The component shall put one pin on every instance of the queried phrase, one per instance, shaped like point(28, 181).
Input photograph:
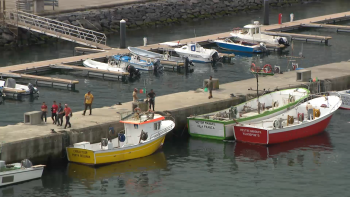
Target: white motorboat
point(135, 61)
point(252, 33)
point(10, 86)
point(19, 172)
point(196, 53)
point(294, 124)
point(165, 58)
point(112, 66)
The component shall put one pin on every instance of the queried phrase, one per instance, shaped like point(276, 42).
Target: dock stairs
point(56, 29)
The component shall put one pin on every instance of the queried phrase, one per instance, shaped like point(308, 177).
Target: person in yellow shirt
point(89, 98)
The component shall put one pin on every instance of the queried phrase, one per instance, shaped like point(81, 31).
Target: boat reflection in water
point(315, 144)
point(132, 176)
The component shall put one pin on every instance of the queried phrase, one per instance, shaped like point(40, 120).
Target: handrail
point(163, 131)
point(31, 20)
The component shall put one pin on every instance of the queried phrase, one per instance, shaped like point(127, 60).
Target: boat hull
point(90, 157)
point(265, 137)
point(20, 175)
point(195, 58)
point(237, 47)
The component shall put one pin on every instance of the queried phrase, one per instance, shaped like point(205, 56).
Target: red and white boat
point(291, 125)
point(345, 97)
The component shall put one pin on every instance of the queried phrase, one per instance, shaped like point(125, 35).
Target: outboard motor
point(133, 71)
point(187, 62)
point(31, 88)
point(157, 66)
point(215, 58)
point(26, 163)
point(262, 47)
point(283, 41)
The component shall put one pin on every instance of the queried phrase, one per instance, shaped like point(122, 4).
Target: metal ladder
point(56, 28)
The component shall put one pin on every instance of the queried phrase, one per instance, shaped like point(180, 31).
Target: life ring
point(275, 104)
point(276, 124)
point(148, 60)
point(138, 110)
point(291, 98)
point(266, 70)
point(290, 120)
point(301, 117)
point(252, 67)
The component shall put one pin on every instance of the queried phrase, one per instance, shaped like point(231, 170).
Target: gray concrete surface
point(36, 141)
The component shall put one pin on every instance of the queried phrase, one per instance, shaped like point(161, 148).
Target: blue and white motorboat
point(242, 46)
point(135, 61)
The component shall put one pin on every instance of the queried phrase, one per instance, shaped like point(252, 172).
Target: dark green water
point(315, 166)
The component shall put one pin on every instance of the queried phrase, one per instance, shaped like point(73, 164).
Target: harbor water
point(314, 166)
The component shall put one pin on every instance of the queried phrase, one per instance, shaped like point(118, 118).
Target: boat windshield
point(245, 31)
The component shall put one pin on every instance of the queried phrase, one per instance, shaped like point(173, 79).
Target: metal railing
point(57, 28)
point(162, 131)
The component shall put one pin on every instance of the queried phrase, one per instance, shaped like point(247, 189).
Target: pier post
point(266, 12)
point(122, 34)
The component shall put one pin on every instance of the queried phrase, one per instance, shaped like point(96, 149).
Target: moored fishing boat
point(296, 123)
point(345, 97)
point(144, 134)
point(19, 172)
point(196, 53)
point(241, 46)
point(219, 125)
point(252, 33)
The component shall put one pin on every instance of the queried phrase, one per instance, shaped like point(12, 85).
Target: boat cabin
point(252, 29)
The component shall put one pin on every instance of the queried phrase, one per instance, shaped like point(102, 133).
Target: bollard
point(266, 12)
point(291, 17)
point(122, 44)
point(280, 18)
point(144, 41)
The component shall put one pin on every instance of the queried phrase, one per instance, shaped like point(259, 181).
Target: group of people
point(57, 114)
point(151, 98)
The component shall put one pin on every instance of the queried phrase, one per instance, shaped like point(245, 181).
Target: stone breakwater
point(152, 14)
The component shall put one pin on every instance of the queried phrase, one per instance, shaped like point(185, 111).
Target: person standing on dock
point(210, 87)
point(54, 108)
point(89, 98)
point(68, 114)
point(43, 112)
point(60, 114)
point(151, 96)
point(134, 96)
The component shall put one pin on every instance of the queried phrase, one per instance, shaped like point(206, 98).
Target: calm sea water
point(315, 166)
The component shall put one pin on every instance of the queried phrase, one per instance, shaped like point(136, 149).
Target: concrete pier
point(37, 143)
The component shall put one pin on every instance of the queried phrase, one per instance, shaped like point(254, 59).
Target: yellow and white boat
point(144, 134)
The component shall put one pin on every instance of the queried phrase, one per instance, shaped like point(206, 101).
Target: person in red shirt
point(43, 112)
point(68, 114)
point(54, 109)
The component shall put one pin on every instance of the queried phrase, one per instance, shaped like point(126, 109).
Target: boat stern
point(79, 155)
point(251, 134)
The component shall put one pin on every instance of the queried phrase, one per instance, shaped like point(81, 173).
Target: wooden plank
point(326, 26)
point(41, 78)
point(296, 35)
point(90, 69)
point(12, 90)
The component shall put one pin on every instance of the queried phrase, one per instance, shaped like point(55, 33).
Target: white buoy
point(144, 41)
point(291, 17)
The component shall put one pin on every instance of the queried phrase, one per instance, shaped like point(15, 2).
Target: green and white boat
point(219, 125)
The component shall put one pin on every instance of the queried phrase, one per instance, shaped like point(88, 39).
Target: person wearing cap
point(134, 95)
point(88, 99)
point(310, 111)
point(68, 114)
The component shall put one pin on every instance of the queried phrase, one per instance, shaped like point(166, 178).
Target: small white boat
point(149, 54)
point(196, 53)
point(135, 61)
point(294, 124)
point(112, 66)
point(10, 85)
point(19, 172)
point(240, 46)
point(143, 135)
point(252, 33)
point(345, 97)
